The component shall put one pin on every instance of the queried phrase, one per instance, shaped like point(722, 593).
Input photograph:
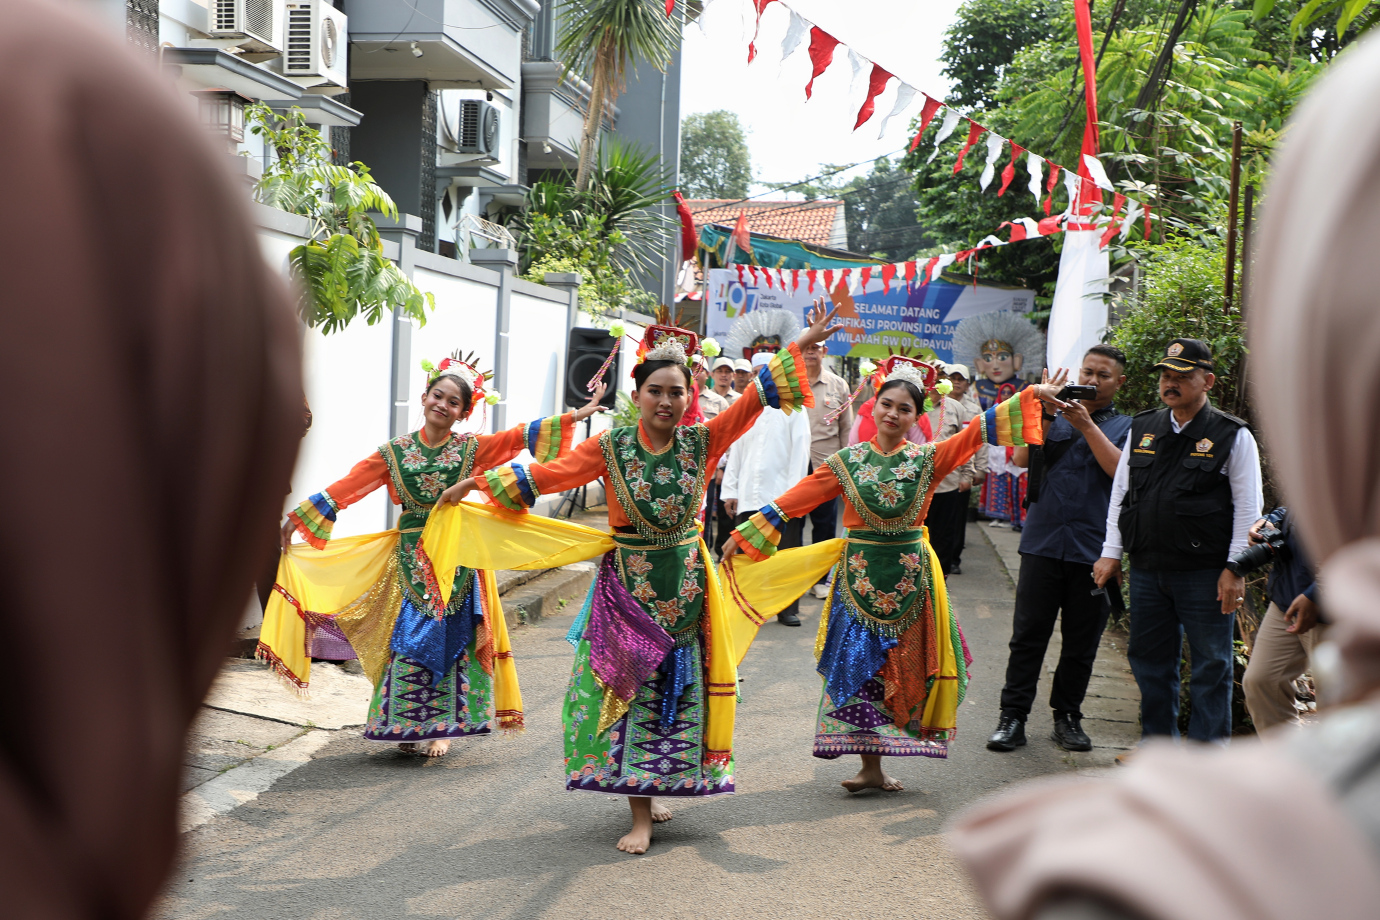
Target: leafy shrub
point(1180, 296)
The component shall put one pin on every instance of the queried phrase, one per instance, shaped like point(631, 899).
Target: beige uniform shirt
point(831, 391)
point(711, 404)
point(956, 416)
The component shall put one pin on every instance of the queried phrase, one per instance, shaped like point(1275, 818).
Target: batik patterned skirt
point(1002, 496)
point(409, 704)
point(640, 754)
point(863, 725)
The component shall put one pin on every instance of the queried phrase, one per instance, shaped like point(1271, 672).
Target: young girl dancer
point(888, 644)
point(649, 711)
point(432, 664)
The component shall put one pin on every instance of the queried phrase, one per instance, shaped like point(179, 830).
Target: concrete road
point(488, 831)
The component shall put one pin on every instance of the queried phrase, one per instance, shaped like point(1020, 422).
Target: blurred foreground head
point(151, 397)
point(1315, 302)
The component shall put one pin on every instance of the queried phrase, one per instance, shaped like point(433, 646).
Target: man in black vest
point(1069, 489)
point(1186, 492)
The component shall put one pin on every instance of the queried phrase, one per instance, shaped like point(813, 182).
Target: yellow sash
point(354, 583)
point(496, 539)
point(762, 588)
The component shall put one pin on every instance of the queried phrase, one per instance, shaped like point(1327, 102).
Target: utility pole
point(1246, 245)
point(1231, 214)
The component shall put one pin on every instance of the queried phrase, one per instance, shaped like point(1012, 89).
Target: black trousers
point(1050, 588)
point(717, 522)
point(791, 537)
point(947, 520)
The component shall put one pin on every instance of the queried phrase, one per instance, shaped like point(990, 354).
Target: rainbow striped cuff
point(510, 487)
point(781, 384)
point(1014, 423)
point(760, 535)
point(315, 518)
point(548, 438)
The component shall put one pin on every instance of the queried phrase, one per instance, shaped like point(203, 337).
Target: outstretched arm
point(517, 487)
point(315, 517)
point(1013, 423)
point(546, 438)
point(760, 535)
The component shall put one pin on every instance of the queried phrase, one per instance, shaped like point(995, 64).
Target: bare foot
point(872, 776)
point(660, 813)
point(639, 838)
point(408, 747)
point(438, 747)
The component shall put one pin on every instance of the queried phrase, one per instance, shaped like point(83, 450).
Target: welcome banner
point(918, 318)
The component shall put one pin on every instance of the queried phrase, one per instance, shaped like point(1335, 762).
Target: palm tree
point(601, 38)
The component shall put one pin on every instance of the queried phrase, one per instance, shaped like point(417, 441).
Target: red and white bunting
point(795, 34)
point(946, 127)
point(875, 84)
point(974, 132)
point(932, 105)
point(822, 46)
point(752, 45)
point(905, 94)
point(995, 143)
point(1009, 172)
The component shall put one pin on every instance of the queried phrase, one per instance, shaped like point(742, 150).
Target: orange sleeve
point(546, 438)
point(315, 517)
point(517, 486)
point(956, 450)
point(760, 534)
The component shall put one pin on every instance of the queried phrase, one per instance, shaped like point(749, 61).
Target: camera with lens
point(1272, 546)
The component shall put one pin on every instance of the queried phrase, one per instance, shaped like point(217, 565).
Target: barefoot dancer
point(426, 639)
point(649, 710)
point(888, 644)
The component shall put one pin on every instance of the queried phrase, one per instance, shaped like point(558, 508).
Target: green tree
point(985, 36)
point(714, 159)
point(341, 270)
point(602, 38)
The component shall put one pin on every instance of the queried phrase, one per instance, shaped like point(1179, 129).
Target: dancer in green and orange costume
point(888, 646)
point(433, 665)
point(650, 707)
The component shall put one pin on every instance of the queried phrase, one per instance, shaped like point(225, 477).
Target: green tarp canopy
point(774, 252)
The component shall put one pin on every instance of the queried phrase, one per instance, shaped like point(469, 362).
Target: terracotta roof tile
point(806, 221)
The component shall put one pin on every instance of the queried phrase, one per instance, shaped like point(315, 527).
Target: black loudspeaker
point(589, 348)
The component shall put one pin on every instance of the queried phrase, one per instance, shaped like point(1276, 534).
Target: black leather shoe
point(788, 619)
point(1068, 734)
point(1010, 734)
point(956, 570)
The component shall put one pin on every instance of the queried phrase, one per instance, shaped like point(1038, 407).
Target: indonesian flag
point(741, 237)
point(689, 239)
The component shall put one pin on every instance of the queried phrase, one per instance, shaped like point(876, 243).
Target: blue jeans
point(1165, 607)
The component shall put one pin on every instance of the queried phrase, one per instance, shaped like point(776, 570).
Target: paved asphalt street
point(488, 831)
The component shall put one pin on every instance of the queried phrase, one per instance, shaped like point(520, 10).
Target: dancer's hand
point(730, 547)
point(456, 492)
point(1049, 387)
point(285, 535)
point(592, 407)
point(817, 327)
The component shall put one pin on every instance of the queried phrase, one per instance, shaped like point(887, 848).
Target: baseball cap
point(742, 364)
point(722, 362)
point(1183, 355)
point(960, 369)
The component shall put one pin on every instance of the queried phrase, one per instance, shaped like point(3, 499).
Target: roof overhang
point(215, 67)
point(321, 110)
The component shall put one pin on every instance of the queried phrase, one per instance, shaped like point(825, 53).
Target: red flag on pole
point(875, 84)
point(752, 45)
point(974, 132)
point(926, 115)
point(1089, 196)
point(822, 46)
point(742, 238)
point(689, 239)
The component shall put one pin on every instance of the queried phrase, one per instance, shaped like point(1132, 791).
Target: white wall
point(464, 319)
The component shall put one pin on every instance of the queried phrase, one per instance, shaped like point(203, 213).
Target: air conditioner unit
point(253, 22)
point(315, 39)
point(478, 128)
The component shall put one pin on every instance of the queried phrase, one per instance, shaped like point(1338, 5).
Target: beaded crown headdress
point(466, 367)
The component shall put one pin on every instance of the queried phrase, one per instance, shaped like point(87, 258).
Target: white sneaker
point(820, 591)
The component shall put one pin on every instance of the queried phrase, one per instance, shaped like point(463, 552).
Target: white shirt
point(766, 461)
point(1242, 470)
